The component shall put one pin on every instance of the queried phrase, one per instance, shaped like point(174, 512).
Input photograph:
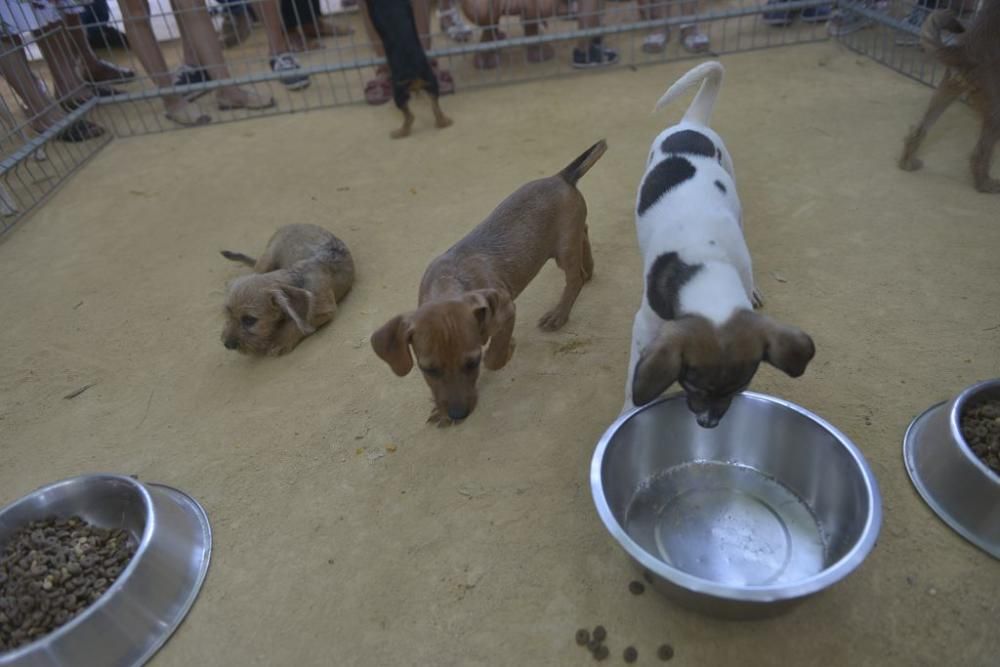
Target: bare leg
point(983, 156)
point(15, 70)
point(270, 15)
point(197, 31)
point(61, 57)
point(949, 91)
point(588, 18)
point(440, 120)
point(407, 124)
point(94, 68)
point(143, 42)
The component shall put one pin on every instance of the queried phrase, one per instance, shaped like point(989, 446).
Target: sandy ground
point(480, 544)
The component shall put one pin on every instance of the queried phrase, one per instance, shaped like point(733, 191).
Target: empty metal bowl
point(151, 596)
point(739, 521)
point(950, 478)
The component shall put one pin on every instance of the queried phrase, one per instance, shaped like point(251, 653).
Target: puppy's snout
point(707, 419)
point(231, 343)
point(458, 412)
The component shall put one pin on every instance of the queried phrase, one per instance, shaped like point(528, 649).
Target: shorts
point(20, 16)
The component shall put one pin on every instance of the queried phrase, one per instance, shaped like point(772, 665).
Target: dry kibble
point(582, 637)
point(636, 588)
point(600, 634)
point(630, 654)
point(665, 652)
point(50, 570)
point(981, 431)
point(601, 652)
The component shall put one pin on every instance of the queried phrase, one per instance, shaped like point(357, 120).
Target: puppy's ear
point(392, 344)
point(661, 363)
point(297, 303)
point(787, 348)
point(492, 308)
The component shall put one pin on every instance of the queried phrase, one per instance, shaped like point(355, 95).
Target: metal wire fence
point(78, 72)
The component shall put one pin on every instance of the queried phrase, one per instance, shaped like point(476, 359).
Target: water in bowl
point(727, 523)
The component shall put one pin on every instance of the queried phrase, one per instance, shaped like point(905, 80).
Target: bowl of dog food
point(952, 455)
point(98, 570)
point(741, 521)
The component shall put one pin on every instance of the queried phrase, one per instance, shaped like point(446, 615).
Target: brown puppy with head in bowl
point(467, 294)
point(294, 290)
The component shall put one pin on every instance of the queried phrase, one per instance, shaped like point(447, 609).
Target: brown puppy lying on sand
point(467, 294)
point(294, 290)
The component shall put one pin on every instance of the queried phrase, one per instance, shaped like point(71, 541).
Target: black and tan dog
point(409, 67)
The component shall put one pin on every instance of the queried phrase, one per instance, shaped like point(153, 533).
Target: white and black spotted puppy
point(696, 324)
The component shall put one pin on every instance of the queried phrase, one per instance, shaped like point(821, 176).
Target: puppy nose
point(231, 343)
point(707, 420)
point(456, 413)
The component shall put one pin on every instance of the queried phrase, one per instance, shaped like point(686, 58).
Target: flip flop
point(188, 115)
point(379, 90)
point(693, 40)
point(446, 84)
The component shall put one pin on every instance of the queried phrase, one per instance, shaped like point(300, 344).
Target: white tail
point(700, 111)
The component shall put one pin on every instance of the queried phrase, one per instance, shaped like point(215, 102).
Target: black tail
point(238, 257)
point(575, 170)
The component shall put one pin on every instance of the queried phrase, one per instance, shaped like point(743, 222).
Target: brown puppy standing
point(974, 68)
point(294, 290)
point(467, 294)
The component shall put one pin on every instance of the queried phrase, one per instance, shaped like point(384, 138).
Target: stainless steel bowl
point(147, 602)
point(739, 521)
point(959, 487)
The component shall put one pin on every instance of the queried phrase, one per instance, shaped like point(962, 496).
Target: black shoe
point(107, 38)
point(596, 56)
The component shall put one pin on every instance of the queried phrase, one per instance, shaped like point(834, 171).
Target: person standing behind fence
point(692, 39)
point(197, 31)
point(36, 16)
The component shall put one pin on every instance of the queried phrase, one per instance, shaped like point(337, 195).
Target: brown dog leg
point(440, 120)
point(983, 156)
point(501, 347)
point(407, 124)
point(949, 91)
point(570, 260)
point(588, 258)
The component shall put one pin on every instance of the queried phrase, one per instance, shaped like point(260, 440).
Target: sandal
point(539, 53)
point(188, 114)
point(109, 72)
point(379, 90)
point(80, 130)
point(451, 23)
point(693, 40)
point(446, 84)
point(248, 100)
point(657, 42)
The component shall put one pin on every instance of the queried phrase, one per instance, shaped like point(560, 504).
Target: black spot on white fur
point(662, 178)
point(722, 188)
point(718, 155)
point(689, 142)
point(664, 282)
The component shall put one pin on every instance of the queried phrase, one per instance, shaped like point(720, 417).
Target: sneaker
point(286, 64)
point(819, 14)
point(778, 18)
point(188, 74)
point(915, 19)
point(451, 23)
point(595, 56)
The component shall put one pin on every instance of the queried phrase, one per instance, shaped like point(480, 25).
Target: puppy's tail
point(575, 170)
point(238, 257)
point(710, 76)
point(930, 38)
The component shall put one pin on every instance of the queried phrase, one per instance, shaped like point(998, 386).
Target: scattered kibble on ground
point(600, 634)
point(51, 570)
point(981, 431)
point(582, 637)
point(630, 654)
point(601, 652)
point(636, 588)
point(665, 652)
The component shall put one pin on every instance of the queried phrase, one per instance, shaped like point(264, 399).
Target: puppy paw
point(757, 299)
point(553, 320)
point(443, 122)
point(910, 164)
point(496, 359)
point(400, 133)
point(989, 186)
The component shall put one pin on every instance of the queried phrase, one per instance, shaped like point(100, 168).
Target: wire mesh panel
point(889, 32)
